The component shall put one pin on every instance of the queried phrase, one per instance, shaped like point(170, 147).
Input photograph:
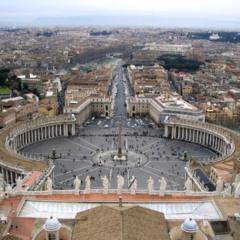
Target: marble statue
point(227, 190)
point(106, 184)
point(8, 188)
point(150, 183)
point(237, 191)
point(237, 178)
point(133, 187)
point(1, 183)
point(163, 186)
point(19, 184)
point(219, 185)
point(49, 184)
point(87, 185)
point(77, 184)
point(188, 185)
point(235, 184)
point(120, 183)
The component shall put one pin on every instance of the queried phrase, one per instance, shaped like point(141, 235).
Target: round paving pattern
point(133, 159)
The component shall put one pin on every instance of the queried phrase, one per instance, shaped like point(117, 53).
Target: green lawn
point(5, 90)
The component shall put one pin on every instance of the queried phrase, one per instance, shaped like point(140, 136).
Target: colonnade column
point(65, 129)
point(166, 133)
point(45, 132)
point(73, 129)
point(178, 132)
point(52, 131)
point(173, 132)
point(60, 129)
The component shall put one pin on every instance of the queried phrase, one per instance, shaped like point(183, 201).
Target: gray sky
point(224, 10)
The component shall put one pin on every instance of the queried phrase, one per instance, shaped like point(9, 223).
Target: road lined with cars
point(119, 90)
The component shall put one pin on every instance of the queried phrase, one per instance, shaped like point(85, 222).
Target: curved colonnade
point(13, 163)
point(217, 138)
point(38, 130)
point(221, 140)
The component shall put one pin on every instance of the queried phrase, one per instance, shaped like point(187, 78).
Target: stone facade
point(90, 106)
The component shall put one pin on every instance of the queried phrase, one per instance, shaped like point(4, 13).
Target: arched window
point(51, 236)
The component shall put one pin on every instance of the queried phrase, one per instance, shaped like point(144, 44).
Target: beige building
point(163, 106)
point(165, 48)
point(26, 111)
point(32, 82)
point(82, 85)
point(77, 93)
point(148, 80)
point(89, 106)
point(7, 117)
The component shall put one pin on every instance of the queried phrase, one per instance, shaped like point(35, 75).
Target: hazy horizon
point(172, 13)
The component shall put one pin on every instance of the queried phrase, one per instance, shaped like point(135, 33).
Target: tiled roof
point(10, 237)
point(134, 222)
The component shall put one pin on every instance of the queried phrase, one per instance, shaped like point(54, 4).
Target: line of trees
point(179, 62)
point(9, 80)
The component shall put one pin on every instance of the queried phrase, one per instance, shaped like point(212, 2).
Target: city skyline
point(119, 120)
point(200, 14)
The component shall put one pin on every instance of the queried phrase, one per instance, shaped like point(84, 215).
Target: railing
point(207, 126)
point(43, 178)
point(9, 166)
point(198, 184)
point(28, 125)
point(115, 191)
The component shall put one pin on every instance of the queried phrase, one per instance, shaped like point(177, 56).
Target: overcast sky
point(226, 10)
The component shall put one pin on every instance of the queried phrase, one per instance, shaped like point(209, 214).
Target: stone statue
point(188, 185)
point(133, 187)
point(235, 184)
point(163, 186)
point(8, 189)
point(49, 184)
point(77, 184)
point(237, 178)
point(237, 191)
point(150, 183)
point(219, 185)
point(120, 183)
point(106, 184)
point(87, 185)
point(19, 184)
point(1, 183)
point(227, 190)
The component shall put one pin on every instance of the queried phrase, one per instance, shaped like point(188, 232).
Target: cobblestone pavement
point(76, 154)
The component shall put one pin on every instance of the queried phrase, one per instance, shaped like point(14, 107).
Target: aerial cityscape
point(120, 120)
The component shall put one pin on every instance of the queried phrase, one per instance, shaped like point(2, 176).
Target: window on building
point(51, 236)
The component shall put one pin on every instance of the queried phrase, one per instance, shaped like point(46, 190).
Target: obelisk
point(120, 142)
